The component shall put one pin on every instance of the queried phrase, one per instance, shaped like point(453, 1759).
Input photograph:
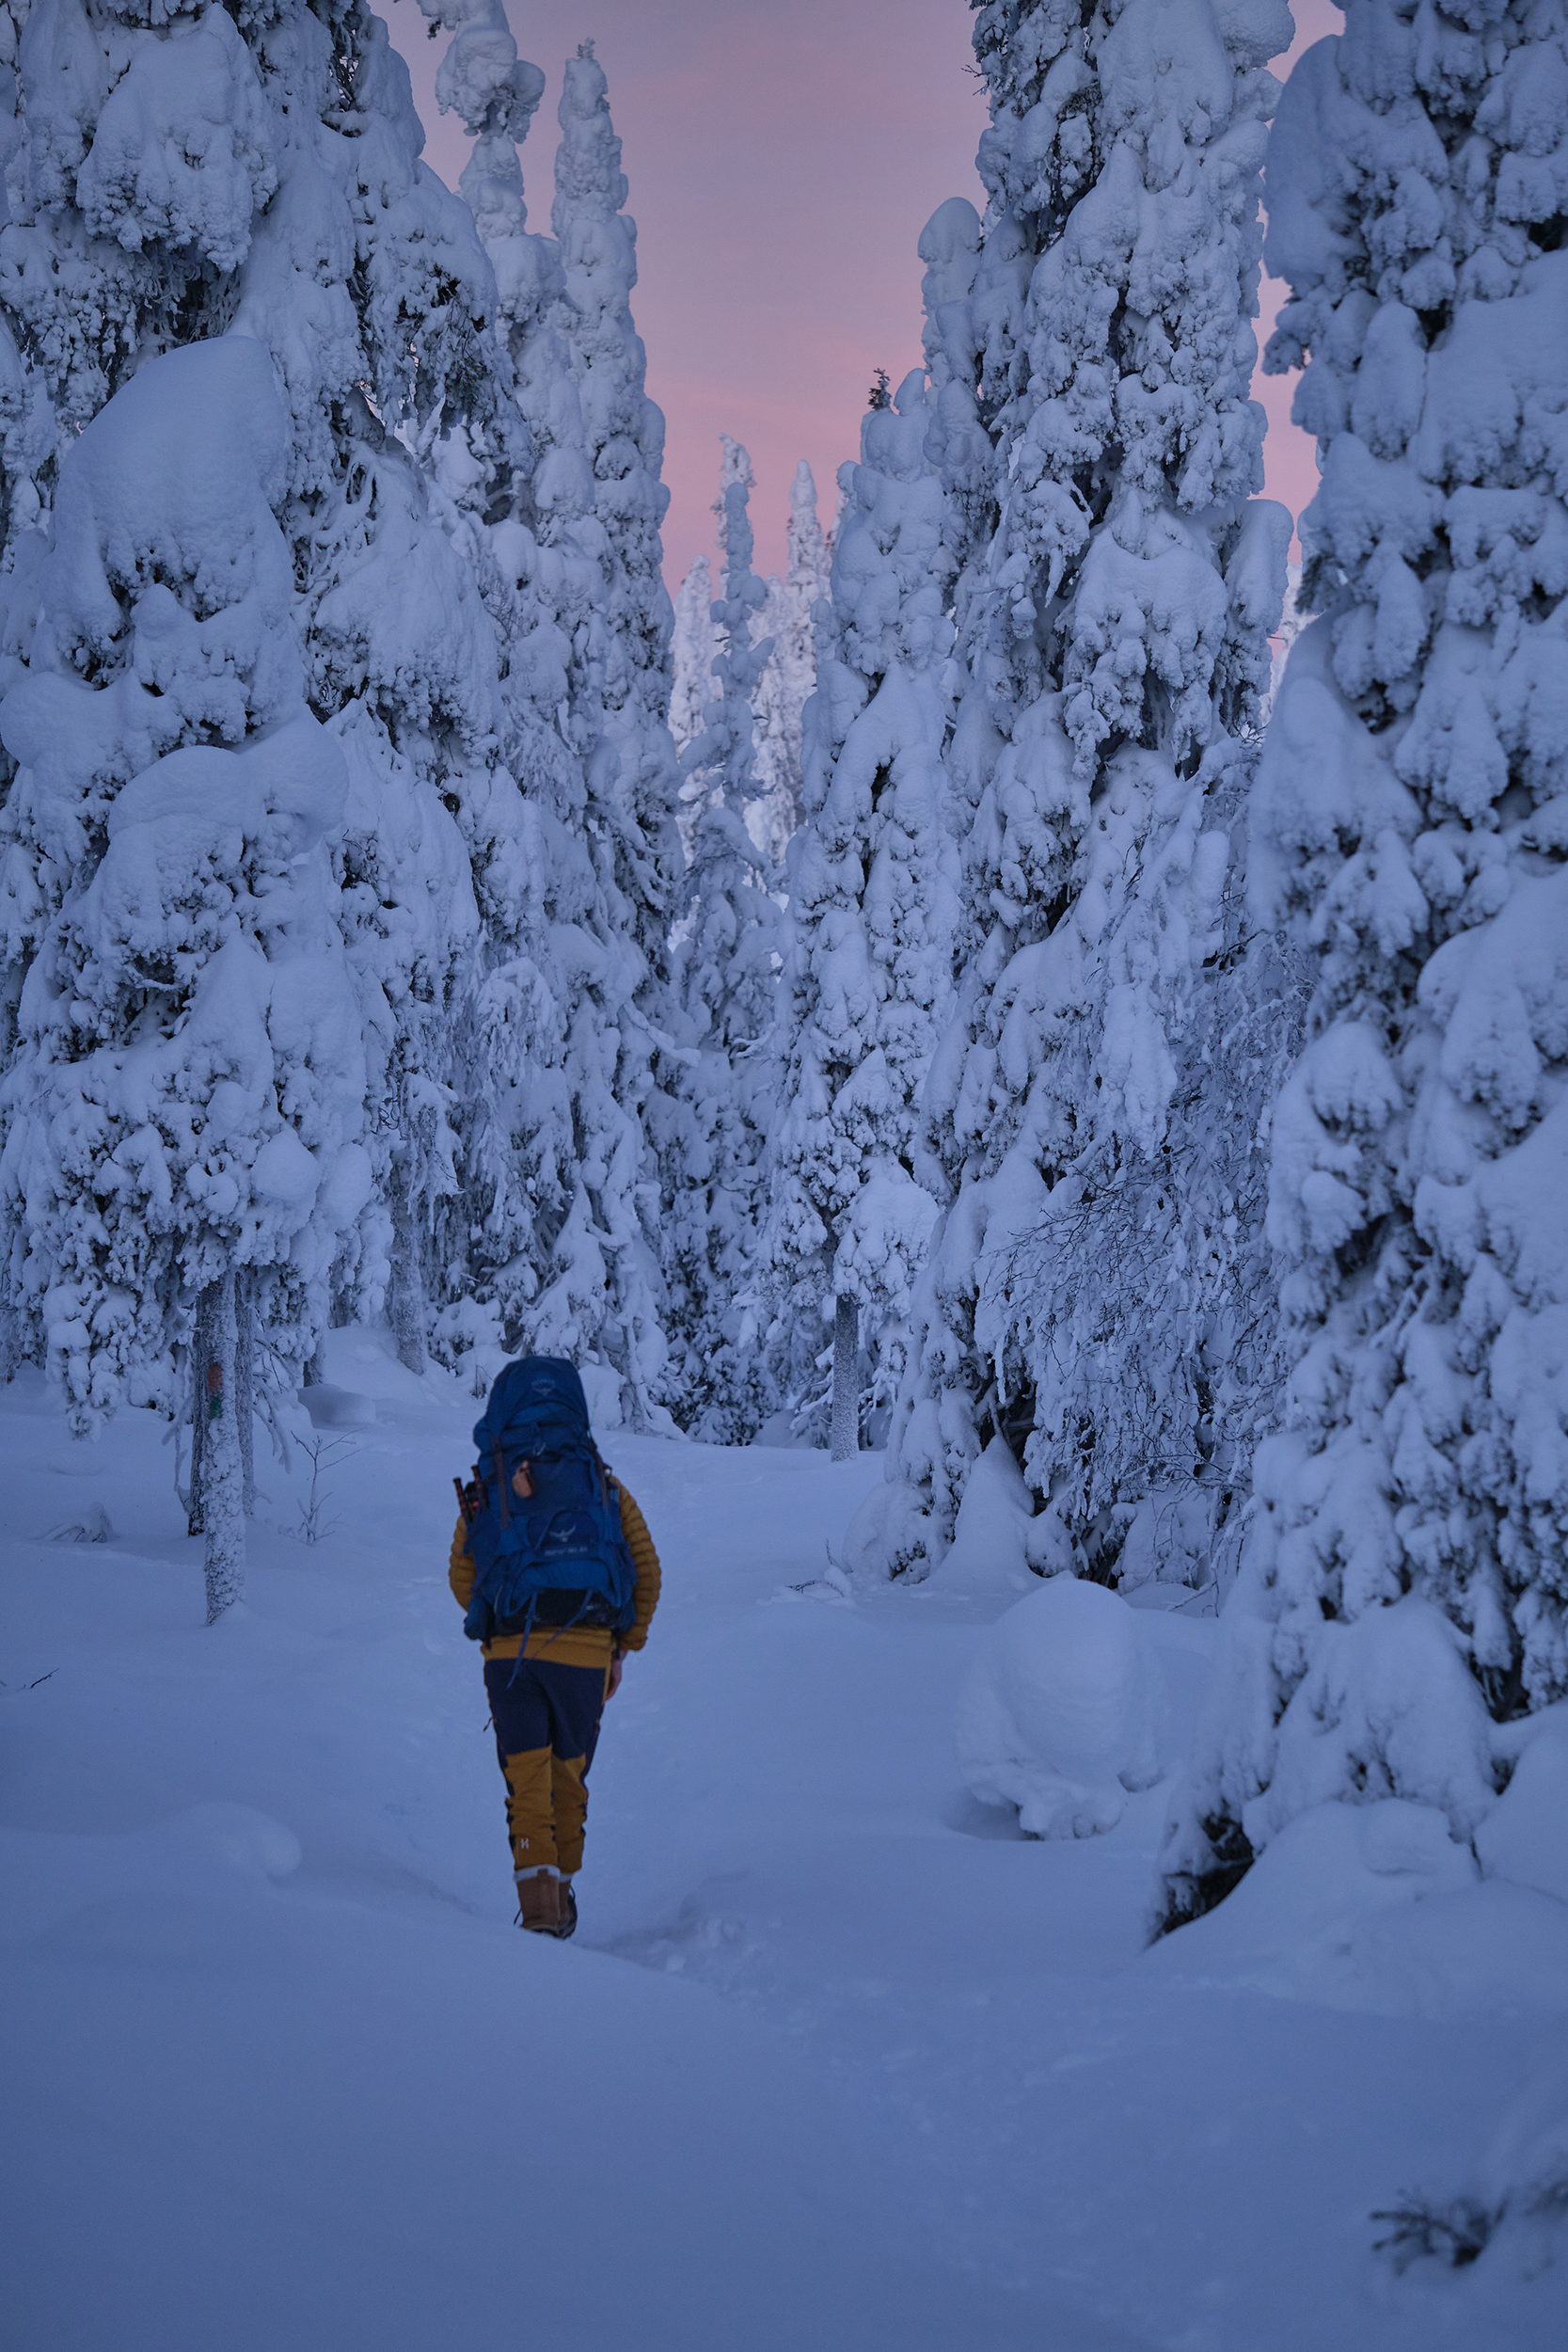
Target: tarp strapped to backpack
point(548, 1547)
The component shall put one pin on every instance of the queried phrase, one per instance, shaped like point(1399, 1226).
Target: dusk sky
point(783, 161)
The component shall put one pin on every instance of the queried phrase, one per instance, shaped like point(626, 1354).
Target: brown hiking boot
point(539, 1905)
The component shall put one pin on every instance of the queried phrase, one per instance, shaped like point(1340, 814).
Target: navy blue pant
point(546, 1719)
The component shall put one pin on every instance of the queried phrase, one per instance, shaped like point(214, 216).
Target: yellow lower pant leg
point(571, 1809)
point(529, 1817)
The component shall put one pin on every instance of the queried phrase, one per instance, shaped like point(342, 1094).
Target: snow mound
point(1378, 1908)
point(996, 1539)
point(1058, 1715)
point(1525, 1836)
point(331, 1407)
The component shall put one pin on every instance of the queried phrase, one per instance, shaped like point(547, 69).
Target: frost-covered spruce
point(710, 1117)
point(1401, 1622)
point(574, 904)
point(790, 674)
point(867, 985)
point(622, 443)
point(692, 650)
point(1112, 625)
point(186, 1096)
point(142, 151)
point(181, 177)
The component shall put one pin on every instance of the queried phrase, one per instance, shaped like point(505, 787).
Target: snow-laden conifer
point(1400, 1626)
point(790, 673)
point(626, 693)
point(693, 648)
point(186, 1096)
point(322, 235)
point(867, 984)
point(141, 154)
point(562, 537)
point(710, 1117)
point(1112, 628)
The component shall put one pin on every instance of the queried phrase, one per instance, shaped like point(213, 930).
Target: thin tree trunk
point(204, 1335)
point(405, 1304)
point(244, 1385)
point(223, 1484)
point(847, 1397)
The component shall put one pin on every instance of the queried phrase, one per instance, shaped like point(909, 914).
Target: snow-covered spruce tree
point(790, 674)
point(1111, 627)
point(699, 694)
point(143, 148)
point(1401, 1620)
point(181, 177)
point(692, 650)
point(118, 239)
point(631, 762)
point(186, 1096)
point(561, 536)
point(365, 272)
point(710, 1116)
point(867, 985)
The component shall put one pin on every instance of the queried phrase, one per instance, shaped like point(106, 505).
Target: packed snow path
point(837, 2059)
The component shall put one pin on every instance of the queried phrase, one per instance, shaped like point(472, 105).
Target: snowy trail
point(834, 2058)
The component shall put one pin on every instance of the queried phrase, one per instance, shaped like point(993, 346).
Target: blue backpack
point(556, 1556)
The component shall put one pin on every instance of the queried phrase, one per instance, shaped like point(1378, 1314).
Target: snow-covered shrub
point(1059, 1714)
point(1097, 435)
point(867, 985)
point(1407, 1573)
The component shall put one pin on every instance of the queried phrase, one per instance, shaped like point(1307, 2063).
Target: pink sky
point(783, 159)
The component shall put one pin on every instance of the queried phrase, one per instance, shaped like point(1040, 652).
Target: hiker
point(556, 1572)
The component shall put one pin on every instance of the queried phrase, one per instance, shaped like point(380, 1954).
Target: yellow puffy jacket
point(574, 1645)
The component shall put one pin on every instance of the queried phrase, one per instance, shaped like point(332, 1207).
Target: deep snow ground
point(836, 2060)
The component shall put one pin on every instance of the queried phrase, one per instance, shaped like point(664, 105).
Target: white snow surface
point(1058, 1715)
point(837, 2058)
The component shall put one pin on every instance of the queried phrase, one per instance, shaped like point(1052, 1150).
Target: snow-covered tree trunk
point(844, 1436)
point(1100, 448)
point(407, 1310)
point(203, 1350)
point(244, 1385)
point(1402, 1622)
point(222, 1473)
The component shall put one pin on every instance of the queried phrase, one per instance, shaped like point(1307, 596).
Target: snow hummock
point(1058, 1714)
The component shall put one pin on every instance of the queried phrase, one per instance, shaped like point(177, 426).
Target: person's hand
point(617, 1667)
